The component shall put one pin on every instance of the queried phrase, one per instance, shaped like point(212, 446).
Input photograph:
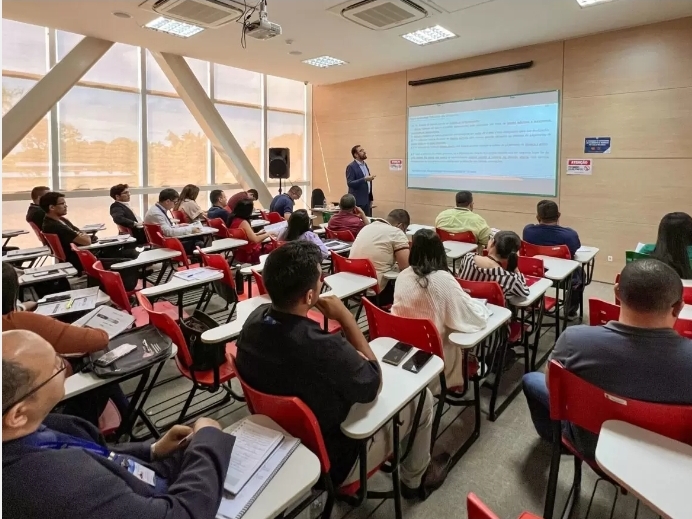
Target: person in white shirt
point(427, 290)
point(158, 215)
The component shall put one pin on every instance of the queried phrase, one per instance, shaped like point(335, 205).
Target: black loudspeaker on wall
point(279, 163)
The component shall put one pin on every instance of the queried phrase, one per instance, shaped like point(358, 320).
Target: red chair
point(152, 231)
point(55, 246)
point(362, 267)
point(38, 233)
point(684, 327)
point(209, 380)
point(180, 216)
point(229, 293)
point(490, 290)
point(110, 419)
point(124, 230)
point(170, 242)
point(476, 509)
point(113, 286)
point(291, 414)
point(464, 237)
point(531, 266)
point(264, 215)
point(423, 334)
point(339, 235)
point(273, 218)
point(587, 406)
point(219, 225)
point(554, 251)
point(687, 295)
point(601, 312)
point(87, 259)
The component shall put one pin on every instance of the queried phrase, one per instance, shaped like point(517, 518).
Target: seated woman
point(427, 290)
point(187, 203)
point(499, 265)
point(299, 229)
point(674, 243)
point(318, 199)
point(240, 219)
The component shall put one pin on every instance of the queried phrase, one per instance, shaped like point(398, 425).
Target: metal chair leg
point(551, 490)
point(181, 418)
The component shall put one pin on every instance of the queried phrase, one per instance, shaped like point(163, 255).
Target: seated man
point(218, 207)
point(284, 202)
point(283, 352)
point(123, 215)
point(252, 194)
point(386, 245)
point(549, 232)
point(462, 219)
point(349, 218)
point(158, 215)
point(180, 476)
point(35, 214)
point(639, 356)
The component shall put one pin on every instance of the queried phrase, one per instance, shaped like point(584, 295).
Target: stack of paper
point(108, 319)
point(198, 274)
point(80, 301)
point(276, 228)
point(336, 245)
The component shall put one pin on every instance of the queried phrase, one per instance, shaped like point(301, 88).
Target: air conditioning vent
point(383, 14)
point(204, 13)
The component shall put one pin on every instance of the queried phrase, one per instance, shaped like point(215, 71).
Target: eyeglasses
point(61, 366)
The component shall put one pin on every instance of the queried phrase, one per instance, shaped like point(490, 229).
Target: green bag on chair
point(631, 256)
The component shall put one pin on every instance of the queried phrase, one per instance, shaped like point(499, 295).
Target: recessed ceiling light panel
point(589, 3)
point(429, 35)
point(324, 62)
point(174, 27)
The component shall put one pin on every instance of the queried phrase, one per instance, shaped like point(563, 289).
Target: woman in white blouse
point(427, 290)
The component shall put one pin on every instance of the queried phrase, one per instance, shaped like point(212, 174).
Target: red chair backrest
point(421, 333)
point(465, 237)
point(490, 290)
point(601, 312)
point(55, 246)
point(87, 259)
point(124, 230)
point(687, 295)
point(180, 216)
point(259, 281)
point(684, 327)
point(363, 267)
point(554, 251)
point(166, 325)
point(170, 242)
point(264, 215)
point(38, 233)
point(531, 266)
point(588, 406)
point(476, 509)
point(345, 235)
point(274, 217)
point(152, 232)
point(113, 285)
point(217, 223)
point(217, 261)
point(290, 413)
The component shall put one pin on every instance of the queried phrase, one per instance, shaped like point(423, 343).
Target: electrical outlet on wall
point(610, 258)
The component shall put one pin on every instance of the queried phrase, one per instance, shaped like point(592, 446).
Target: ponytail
point(512, 261)
point(507, 245)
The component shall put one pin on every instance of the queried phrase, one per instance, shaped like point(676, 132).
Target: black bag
point(204, 356)
point(152, 348)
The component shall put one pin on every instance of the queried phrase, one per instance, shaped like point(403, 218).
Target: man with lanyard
point(58, 466)
point(158, 215)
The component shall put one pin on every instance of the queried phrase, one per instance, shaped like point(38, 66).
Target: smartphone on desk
point(397, 353)
point(56, 298)
point(416, 363)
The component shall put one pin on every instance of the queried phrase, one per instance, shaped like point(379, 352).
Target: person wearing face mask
point(59, 467)
point(386, 245)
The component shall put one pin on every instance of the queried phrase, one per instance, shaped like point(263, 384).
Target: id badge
point(141, 472)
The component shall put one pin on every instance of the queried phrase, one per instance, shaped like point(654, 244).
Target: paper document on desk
point(276, 228)
point(235, 506)
point(80, 301)
point(198, 274)
point(336, 245)
point(106, 318)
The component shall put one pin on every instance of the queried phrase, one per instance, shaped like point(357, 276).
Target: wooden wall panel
point(382, 137)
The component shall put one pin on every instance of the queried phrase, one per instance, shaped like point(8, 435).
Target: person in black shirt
point(283, 352)
point(35, 214)
point(123, 215)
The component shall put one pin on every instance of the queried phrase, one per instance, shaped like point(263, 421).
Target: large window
point(246, 125)
point(287, 130)
point(24, 48)
point(285, 93)
point(157, 82)
point(237, 85)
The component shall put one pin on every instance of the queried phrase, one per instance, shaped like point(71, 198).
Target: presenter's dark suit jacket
point(356, 185)
point(75, 483)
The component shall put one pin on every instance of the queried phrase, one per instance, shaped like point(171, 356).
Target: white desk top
point(205, 231)
point(223, 245)
point(294, 479)
point(63, 270)
point(121, 239)
point(33, 253)
point(398, 388)
point(346, 284)
point(92, 227)
point(258, 223)
point(456, 249)
point(148, 257)
point(656, 469)
point(687, 282)
point(11, 233)
point(391, 274)
point(686, 313)
point(101, 297)
point(319, 232)
point(536, 291)
point(82, 382)
point(177, 284)
point(246, 271)
point(585, 254)
point(558, 268)
point(229, 331)
point(469, 340)
point(416, 227)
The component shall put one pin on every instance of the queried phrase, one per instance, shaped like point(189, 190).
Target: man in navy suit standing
point(359, 180)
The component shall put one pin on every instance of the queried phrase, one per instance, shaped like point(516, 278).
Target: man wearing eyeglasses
point(58, 466)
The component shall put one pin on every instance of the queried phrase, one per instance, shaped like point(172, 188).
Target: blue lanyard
point(73, 443)
point(165, 213)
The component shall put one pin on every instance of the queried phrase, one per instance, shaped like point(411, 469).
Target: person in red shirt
point(349, 218)
point(252, 194)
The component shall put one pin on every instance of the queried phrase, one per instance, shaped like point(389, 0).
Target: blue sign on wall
point(597, 145)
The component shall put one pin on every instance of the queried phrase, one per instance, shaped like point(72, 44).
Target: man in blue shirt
point(283, 203)
point(218, 207)
point(549, 232)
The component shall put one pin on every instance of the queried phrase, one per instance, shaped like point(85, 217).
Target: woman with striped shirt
point(499, 265)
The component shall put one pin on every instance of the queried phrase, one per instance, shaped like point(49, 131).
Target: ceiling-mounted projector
point(262, 29)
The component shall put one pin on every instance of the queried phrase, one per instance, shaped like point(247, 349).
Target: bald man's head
point(33, 382)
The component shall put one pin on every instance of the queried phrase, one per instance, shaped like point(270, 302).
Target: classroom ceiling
point(483, 26)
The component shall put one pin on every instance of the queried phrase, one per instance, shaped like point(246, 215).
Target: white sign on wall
point(579, 166)
point(396, 165)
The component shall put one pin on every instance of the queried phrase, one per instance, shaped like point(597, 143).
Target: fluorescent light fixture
point(429, 35)
point(174, 27)
point(324, 62)
point(589, 3)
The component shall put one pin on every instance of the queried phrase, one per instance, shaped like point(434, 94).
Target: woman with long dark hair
point(299, 229)
point(240, 219)
point(187, 203)
point(674, 243)
point(427, 290)
point(499, 265)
